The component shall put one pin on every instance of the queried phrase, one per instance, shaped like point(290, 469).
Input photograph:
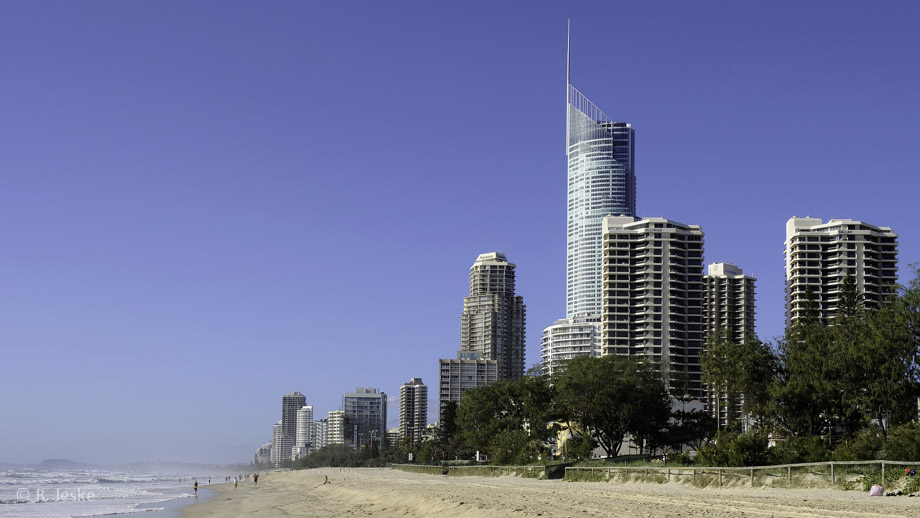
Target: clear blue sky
point(206, 205)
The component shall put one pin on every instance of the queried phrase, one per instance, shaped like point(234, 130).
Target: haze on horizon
point(210, 205)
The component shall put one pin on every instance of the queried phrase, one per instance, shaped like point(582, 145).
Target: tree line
point(844, 388)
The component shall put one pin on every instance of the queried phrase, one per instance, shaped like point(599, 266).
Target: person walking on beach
point(196, 488)
point(235, 482)
point(255, 479)
point(209, 481)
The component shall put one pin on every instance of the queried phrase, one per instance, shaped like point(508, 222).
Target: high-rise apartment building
point(819, 257)
point(729, 302)
point(456, 376)
point(601, 182)
point(653, 295)
point(365, 416)
point(413, 409)
point(282, 445)
point(729, 309)
point(568, 338)
point(290, 404)
point(320, 432)
point(303, 440)
point(335, 427)
point(493, 319)
point(492, 328)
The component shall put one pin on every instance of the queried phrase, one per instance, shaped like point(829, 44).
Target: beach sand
point(383, 492)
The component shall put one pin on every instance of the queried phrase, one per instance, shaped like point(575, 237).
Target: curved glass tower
point(602, 182)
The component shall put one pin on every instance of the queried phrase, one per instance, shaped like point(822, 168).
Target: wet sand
point(383, 492)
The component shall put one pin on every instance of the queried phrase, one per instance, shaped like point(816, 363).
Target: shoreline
point(386, 492)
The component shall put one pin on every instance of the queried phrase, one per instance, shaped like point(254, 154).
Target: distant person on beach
point(235, 482)
point(196, 488)
point(209, 481)
point(255, 479)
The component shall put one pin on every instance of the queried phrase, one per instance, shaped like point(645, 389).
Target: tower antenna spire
point(568, 83)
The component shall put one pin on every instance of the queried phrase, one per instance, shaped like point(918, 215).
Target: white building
point(413, 410)
point(568, 338)
point(653, 296)
point(819, 256)
point(320, 431)
point(303, 440)
point(335, 427)
point(282, 444)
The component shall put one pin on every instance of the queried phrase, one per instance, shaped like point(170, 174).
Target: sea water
point(36, 493)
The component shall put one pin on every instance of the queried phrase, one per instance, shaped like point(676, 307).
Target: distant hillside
point(64, 464)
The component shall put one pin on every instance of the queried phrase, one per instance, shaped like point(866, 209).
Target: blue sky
point(207, 205)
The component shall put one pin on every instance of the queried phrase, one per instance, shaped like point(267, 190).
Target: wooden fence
point(831, 470)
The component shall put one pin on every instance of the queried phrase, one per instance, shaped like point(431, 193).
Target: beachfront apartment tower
point(413, 410)
point(568, 338)
point(653, 296)
point(335, 427)
point(601, 182)
point(820, 256)
point(456, 376)
point(303, 440)
point(320, 430)
point(282, 445)
point(365, 417)
point(492, 324)
point(728, 308)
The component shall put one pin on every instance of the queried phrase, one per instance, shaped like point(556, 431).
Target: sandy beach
point(383, 492)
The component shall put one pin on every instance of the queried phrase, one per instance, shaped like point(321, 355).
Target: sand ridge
point(383, 492)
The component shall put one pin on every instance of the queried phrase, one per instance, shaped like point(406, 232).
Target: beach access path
point(382, 492)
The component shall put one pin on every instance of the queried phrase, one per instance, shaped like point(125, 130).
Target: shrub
point(865, 446)
point(800, 449)
point(735, 449)
point(904, 443)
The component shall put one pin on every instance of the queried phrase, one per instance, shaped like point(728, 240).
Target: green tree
point(610, 397)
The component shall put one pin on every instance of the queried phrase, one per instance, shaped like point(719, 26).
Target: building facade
point(466, 372)
point(282, 445)
point(601, 182)
point(335, 427)
point(819, 257)
point(568, 338)
point(413, 410)
point(492, 324)
point(303, 440)
point(729, 309)
point(653, 296)
point(366, 417)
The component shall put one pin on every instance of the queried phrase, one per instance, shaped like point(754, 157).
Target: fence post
point(833, 477)
point(608, 473)
point(883, 473)
point(646, 474)
point(789, 473)
point(669, 474)
point(752, 477)
point(720, 477)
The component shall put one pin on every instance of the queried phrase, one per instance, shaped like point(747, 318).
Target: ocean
point(37, 493)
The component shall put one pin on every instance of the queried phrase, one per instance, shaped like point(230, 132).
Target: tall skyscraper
point(728, 308)
point(819, 256)
point(413, 409)
point(653, 295)
point(290, 404)
point(568, 338)
point(303, 440)
point(365, 417)
point(493, 319)
point(601, 182)
point(492, 328)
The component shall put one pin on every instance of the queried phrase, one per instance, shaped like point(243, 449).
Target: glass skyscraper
point(601, 182)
